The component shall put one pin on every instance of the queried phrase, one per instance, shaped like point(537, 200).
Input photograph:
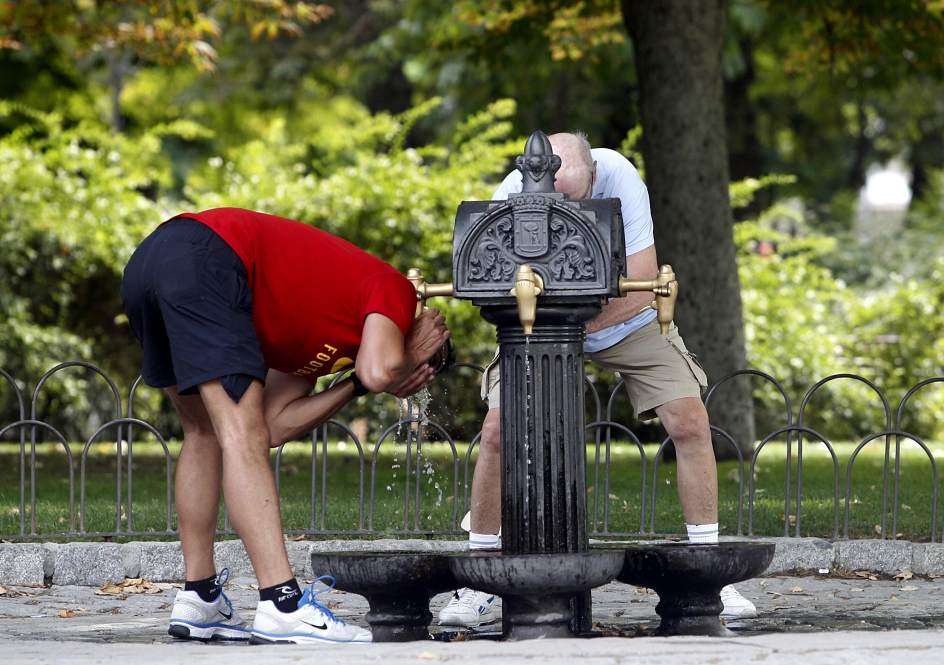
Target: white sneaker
point(192, 618)
point(736, 606)
point(311, 623)
point(468, 608)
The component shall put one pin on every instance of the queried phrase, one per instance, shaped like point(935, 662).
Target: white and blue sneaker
point(468, 608)
point(192, 618)
point(311, 623)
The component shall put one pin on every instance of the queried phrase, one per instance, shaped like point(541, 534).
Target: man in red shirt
point(239, 313)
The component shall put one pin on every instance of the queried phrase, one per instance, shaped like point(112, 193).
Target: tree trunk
point(678, 63)
point(745, 153)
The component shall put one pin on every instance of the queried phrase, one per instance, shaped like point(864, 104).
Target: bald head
point(577, 171)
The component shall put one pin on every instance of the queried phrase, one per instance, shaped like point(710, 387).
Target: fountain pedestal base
point(689, 578)
point(536, 589)
point(397, 585)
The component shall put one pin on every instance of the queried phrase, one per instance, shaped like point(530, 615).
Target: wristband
point(359, 388)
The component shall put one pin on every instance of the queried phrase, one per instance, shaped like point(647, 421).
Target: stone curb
point(94, 564)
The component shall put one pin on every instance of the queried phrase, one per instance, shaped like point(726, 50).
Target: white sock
point(484, 541)
point(702, 533)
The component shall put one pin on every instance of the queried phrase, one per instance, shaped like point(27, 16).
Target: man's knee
point(491, 432)
point(686, 421)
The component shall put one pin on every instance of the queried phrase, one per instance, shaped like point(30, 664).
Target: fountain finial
point(538, 164)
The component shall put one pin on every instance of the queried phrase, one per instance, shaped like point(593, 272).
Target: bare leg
point(248, 485)
point(197, 485)
point(486, 479)
point(686, 421)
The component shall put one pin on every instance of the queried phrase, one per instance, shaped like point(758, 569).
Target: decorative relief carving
point(491, 260)
point(573, 260)
point(523, 236)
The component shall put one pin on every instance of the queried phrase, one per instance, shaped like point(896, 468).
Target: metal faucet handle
point(665, 289)
point(425, 290)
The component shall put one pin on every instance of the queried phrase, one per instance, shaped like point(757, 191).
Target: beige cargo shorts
point(655, 370)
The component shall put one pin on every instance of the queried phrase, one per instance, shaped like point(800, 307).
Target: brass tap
point(665, 288)
point(528, 286)
point(426, 290)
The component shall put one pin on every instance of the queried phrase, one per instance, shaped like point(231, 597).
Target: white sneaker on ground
point(736, 606)
point(468, 608)
point(311, 623)
point(192, 618)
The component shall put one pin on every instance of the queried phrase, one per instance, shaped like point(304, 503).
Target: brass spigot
point(528, 286)
point(426, 290)
point(665, 288)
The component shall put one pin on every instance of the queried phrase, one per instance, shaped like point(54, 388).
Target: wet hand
point(421, 377)
point(426, 336)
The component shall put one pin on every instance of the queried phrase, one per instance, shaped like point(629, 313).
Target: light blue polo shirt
point(616, 178)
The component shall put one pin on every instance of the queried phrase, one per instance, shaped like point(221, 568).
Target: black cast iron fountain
point(540, 248)
point(540, 266)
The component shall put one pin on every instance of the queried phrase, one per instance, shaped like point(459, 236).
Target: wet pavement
point(82, 624)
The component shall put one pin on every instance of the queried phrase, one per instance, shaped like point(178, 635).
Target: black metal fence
point(27, 428)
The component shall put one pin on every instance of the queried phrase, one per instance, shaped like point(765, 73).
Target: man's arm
point(641, 265)
point(386, 359)
point(291, 410)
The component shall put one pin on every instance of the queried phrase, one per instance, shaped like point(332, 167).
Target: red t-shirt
point(311, 290)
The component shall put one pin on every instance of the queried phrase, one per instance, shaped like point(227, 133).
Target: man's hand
point(426, 337)
point(421, 377)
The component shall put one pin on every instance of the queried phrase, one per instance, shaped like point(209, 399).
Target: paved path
point(813, 620)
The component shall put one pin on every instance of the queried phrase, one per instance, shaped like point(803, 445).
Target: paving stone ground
point(816, 619)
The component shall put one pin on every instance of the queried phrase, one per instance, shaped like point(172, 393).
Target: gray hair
point(585, 145)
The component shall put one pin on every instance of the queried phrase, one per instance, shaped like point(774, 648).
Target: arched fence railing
point(427, 489)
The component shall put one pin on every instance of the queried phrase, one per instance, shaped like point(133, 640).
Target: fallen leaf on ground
point(796, 589)
point(908, 588)
point(426, 655)
point(904, 575)
point(67, 614)
point(855, 588)
point(130, 585)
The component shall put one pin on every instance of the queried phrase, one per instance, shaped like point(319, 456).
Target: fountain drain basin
point(397, 586)
point(689, 578)
point(536, 589)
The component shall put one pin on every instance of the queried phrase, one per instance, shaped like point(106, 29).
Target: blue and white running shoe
point(195, 619)
point(311, 623)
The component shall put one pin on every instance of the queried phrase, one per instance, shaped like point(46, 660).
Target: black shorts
point(188, 301)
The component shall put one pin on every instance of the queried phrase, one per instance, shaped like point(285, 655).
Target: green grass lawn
point(437, 495)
